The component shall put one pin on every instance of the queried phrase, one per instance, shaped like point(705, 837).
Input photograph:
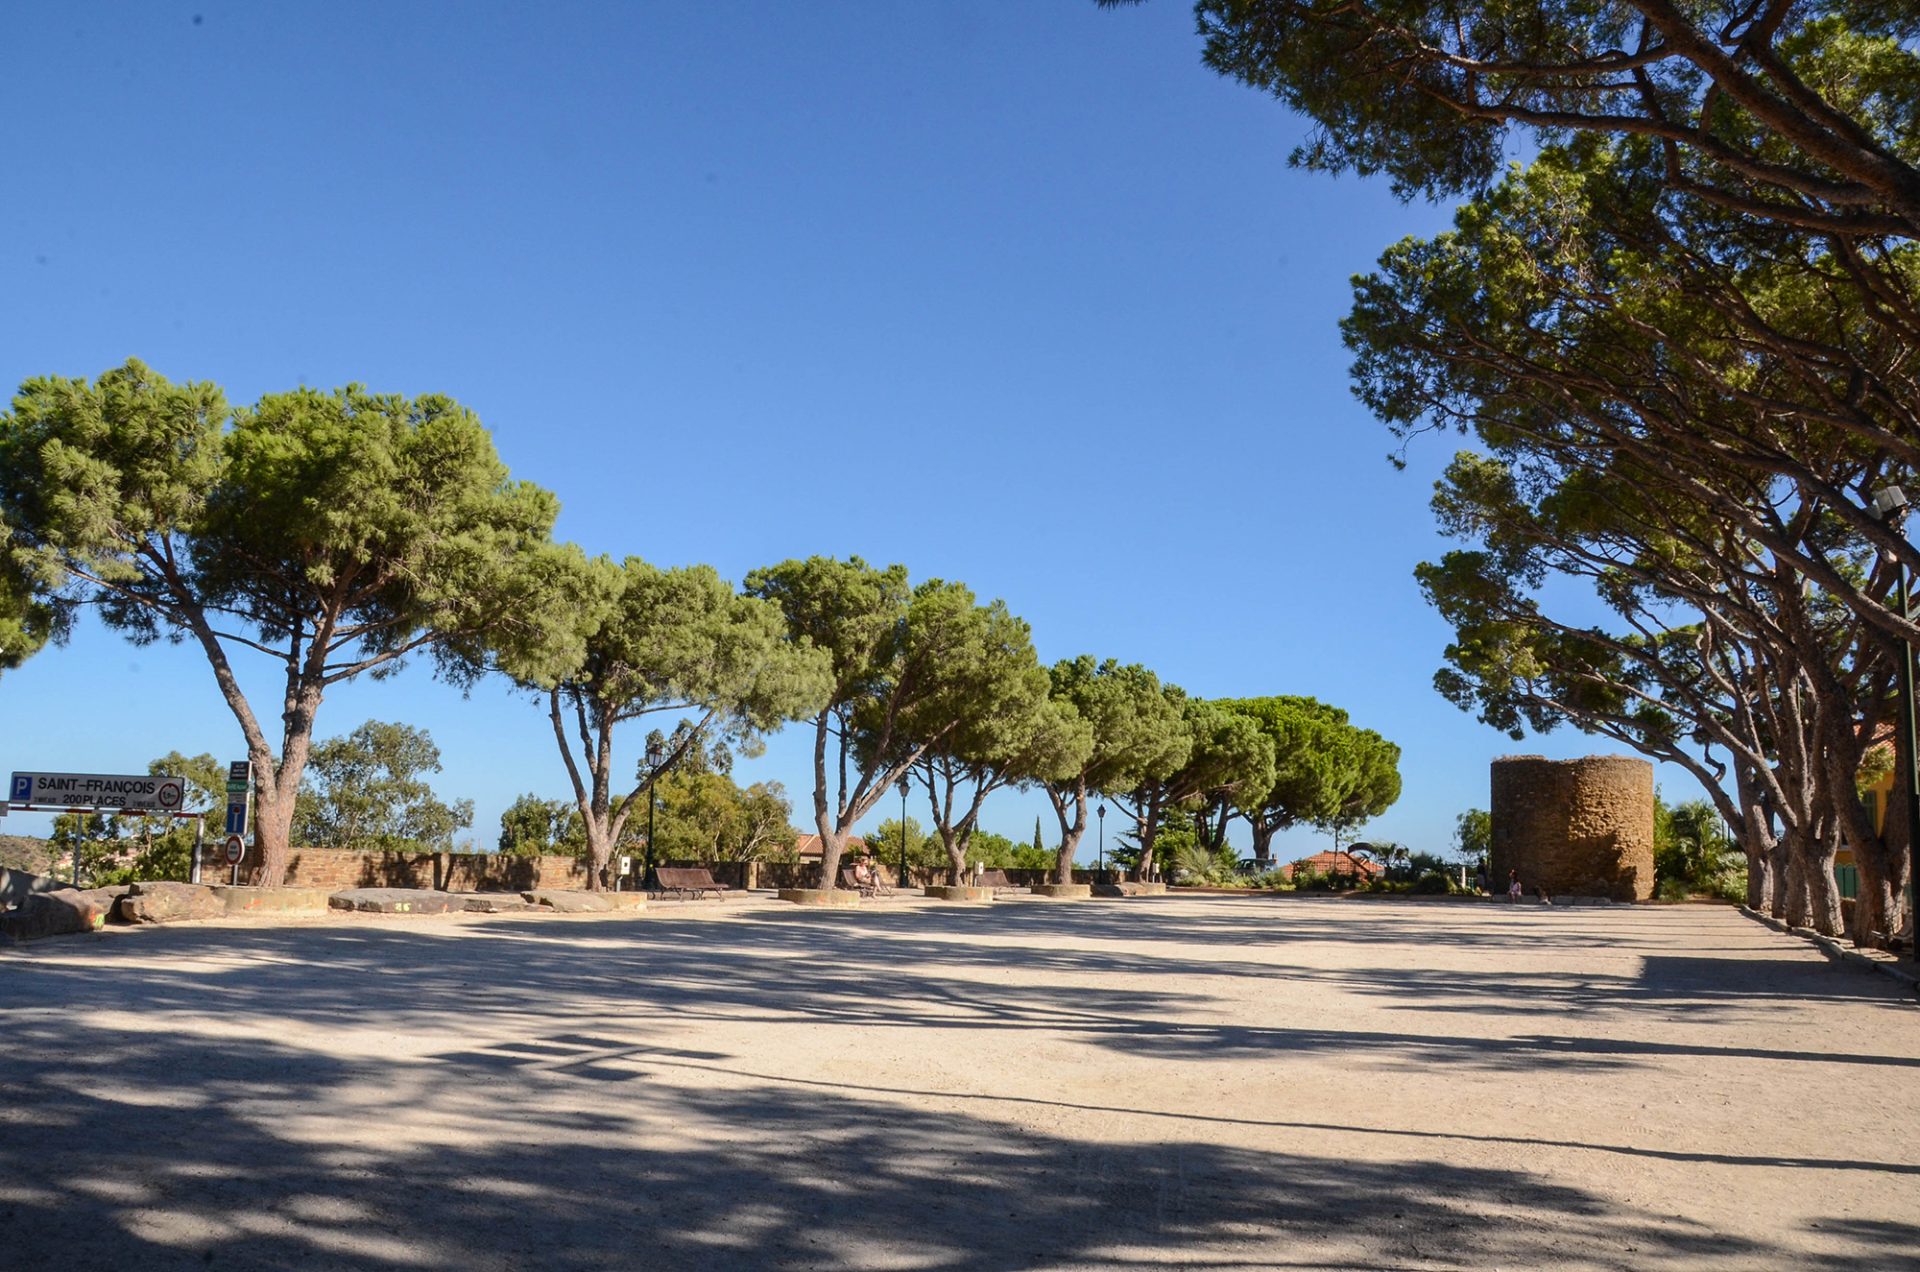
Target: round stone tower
point(1574, 827)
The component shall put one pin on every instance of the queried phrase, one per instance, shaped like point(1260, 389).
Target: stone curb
point(838, 897)
point(1838, 952)
point(956, 892)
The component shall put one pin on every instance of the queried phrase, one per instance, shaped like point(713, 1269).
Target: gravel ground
point(1196, 1082)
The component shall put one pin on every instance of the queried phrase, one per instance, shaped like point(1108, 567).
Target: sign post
point(120, 792)
point(236, 852)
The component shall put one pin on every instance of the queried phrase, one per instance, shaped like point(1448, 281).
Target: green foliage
point(1473, 836)
point(27, 621)
point(1435, 883)
point(704, 815)
point(1692, 854)
point(653, 641)
point(1428, 92)
point(336, 533)
point(368, 792)
point(924, 849)
point(1327, 772)
point(532, 827)
point(1137, 733)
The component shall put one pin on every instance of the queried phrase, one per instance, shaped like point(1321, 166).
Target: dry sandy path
point(1207, 1082)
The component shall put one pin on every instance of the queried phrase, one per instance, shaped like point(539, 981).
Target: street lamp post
point(905, 786)
point(1102, 871)
point(655, 754)
point(1890, 506)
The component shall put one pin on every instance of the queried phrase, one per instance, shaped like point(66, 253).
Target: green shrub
point(1434, 883)
point(1671, 890)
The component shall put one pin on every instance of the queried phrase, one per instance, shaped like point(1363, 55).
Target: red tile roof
point(1345, 863)
point(808, 846)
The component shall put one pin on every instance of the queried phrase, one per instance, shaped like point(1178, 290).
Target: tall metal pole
point(1910, 726)
point(904, 787)
point(199, 846)
point(1890, 507)
point(1102, 871)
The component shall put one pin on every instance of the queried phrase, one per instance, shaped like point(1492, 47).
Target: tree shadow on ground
point(158, 1151)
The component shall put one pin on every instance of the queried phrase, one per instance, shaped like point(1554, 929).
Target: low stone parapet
point(1063, 891)
point(952, 892)
point(243, 900)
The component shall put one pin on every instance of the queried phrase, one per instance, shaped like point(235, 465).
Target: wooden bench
point(688, 882)
point(998, 881)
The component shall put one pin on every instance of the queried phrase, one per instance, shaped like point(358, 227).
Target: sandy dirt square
point(1221, 1083)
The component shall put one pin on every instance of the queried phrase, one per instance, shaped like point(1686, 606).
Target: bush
point(1671, 890)
point(1435, 883)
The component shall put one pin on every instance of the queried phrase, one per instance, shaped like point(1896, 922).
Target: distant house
point(808, 846)
point(1360, 869)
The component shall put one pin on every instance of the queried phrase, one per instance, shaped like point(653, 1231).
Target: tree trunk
point(1798, 901)
point(956, 846)
point(1070, 831)
point(277, 788)
point(832, 844)
point(1149, 831)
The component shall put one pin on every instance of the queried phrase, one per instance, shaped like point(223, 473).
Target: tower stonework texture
point(1574, 827)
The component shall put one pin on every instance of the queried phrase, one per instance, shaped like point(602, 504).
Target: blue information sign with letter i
point(237, 816)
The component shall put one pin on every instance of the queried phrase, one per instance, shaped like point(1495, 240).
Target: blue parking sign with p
point(22, 788)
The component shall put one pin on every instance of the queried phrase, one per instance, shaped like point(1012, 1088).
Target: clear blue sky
point(1018, 294)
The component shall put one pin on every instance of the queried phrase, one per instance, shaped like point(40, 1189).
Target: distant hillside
point(22, 852)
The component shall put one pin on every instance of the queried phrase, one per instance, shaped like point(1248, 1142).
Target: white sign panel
point(134, 792)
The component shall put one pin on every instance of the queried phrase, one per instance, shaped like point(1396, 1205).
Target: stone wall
point(334, 868)
point(1574, 827)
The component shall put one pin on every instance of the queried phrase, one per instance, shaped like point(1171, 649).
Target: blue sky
point(1017, 294)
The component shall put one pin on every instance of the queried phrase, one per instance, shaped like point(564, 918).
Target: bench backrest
point(686, 877)
point(995, 879)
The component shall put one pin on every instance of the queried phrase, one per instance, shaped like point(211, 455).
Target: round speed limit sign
point(236, 849)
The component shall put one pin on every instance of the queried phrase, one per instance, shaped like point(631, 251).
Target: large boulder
point(398, 901)
point(44, 914)
point(17, 885)
point(170, 903)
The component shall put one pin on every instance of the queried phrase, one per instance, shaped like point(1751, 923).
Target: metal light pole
point(905, 786)
point(655, 753)
point(1102, 871)
point(1890, 505)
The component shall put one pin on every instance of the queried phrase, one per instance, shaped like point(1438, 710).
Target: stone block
point(497, 903)
point(1063, 891)
point(170, 903)
point(564, 902)
point(44, 914)
point(397, 901)
point(272, 900)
